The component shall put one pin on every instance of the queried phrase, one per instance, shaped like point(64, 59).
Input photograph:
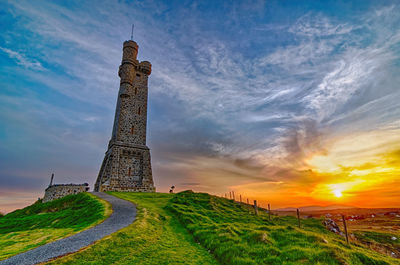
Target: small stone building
point(57, 191)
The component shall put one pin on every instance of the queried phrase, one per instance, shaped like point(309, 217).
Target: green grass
point(379, 241)
point(154, 238)
point(197, 228)
point(377, 237)
point(194, 228)
point(234, 235)
point(42, 223)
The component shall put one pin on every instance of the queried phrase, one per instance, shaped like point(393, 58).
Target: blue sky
point(242, 93)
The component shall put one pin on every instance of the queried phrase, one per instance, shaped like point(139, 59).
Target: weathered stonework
point(57, 191)
point(126, 165)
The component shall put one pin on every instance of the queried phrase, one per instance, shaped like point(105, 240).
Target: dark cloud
point(178, 133)
point(303, 140)
point(248, 163)
point(190, 183)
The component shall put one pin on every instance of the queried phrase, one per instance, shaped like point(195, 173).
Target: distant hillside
point(315, 208)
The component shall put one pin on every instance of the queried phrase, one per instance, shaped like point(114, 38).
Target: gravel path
point(124, 214)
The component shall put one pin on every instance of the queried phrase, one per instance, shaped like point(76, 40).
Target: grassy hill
point(41, 223)
point(197, 228)
point(236, 236)
point(156, 237)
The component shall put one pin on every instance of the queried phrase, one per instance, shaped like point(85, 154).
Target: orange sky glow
point(361, 169)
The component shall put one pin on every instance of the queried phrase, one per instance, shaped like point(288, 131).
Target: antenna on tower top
point(133, 25)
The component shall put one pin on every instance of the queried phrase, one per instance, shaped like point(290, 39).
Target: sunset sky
point(292, 103)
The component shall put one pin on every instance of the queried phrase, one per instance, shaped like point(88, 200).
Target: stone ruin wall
point(57, 191)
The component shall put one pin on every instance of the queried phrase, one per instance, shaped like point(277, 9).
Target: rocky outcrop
point(332, 226)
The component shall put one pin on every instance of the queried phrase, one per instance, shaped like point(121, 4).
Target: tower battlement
point(127, 164)
point(130, 50)
point(145, 67)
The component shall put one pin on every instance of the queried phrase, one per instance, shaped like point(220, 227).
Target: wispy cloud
point(22, 60)
point(319, 25)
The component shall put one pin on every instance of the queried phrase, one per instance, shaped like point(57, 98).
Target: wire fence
point(257, 207)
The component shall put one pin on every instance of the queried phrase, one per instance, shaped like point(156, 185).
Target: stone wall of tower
point(127, 164)
point(126, 169)
point(131, 113)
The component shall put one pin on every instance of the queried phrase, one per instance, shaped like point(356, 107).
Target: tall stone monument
point(126, 165)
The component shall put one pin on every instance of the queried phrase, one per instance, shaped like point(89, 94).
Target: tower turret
point(126, 166)
point(131, 113)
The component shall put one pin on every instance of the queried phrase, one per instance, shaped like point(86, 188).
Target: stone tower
point(126, 165)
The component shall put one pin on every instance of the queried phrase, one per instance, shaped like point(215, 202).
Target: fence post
point(255, 207)
point(240, 196)
point(269, 212)
point(226, 196)
point(298, 216)
point(230, 195)
point(248, 201)
point(233, 195)
point(345, 228)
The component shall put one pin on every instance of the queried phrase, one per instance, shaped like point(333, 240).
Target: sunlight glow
point(338, 193)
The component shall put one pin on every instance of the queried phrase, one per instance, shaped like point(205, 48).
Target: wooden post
point(51, 180)
point(248, 201)
point(230, 195)
point(255, 207)
point(269, 212)
point(345, 229)
point(233, 195)
point(298, 216)
point(240, 196)
point(226, 196)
